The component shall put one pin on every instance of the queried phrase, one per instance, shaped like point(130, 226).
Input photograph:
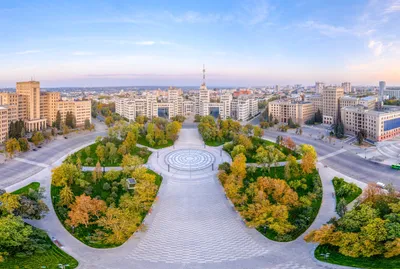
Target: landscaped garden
point(345, 193)
point(104, 209)
point(281, 202)
point(21, 245)
point(368, 236)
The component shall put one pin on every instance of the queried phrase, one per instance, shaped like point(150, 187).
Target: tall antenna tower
point(204, 74)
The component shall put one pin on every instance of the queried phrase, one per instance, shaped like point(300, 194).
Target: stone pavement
point(192, 225)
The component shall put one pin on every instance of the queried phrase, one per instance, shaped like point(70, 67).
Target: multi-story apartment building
point(3, 123)
point(39, 109)
point(299, 112)
point(317, 102)
point(330, 103)
point(379, 124)
point(392, 92)
point(346, 87)
point(243, 107)
point(319, 86)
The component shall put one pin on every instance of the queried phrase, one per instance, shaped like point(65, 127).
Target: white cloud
point(145, 43)
point(82, 53)
point(326, 29)
point(378, 47)
point(27, 52)
point(197, 17)
point(393, 7)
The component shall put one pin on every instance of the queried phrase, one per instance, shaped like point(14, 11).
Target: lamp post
point(326, 255)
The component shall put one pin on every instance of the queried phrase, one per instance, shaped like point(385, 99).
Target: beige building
point(39, 109)
point(378, 124)
point(330, 102)
point(3, 123)
point(300, 112)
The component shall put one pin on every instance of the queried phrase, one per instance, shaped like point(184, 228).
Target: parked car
point(65, 137)
point(34, 149)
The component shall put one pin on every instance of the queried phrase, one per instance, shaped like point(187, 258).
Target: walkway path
point(192, 224)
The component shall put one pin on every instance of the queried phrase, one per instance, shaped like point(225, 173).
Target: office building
point(346, 87)
point(392, 93)
point(319, 86)
point(330, 103)
point(379, 125)
point(299, 112)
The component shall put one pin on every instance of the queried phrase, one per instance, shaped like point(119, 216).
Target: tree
point(37, 138)
point(130, 141)
point(66, 196)
point(101, 152)
point(122, 223)
point(289, 143)
point(13, 234)
point(279, 140)
point(130, 163)
point(9, 202)
point(258, 132)
point(109, 121)
point(266, 156)
point(238, 167)
point(112, 175)
point(239, 149)
point(65, 129)
point(64, 175)
point(318, 116)
point(361, 135)
point(291, 168)
point(97, 174)
point(308, 163)
point(24, 144)
point(141, 119)
point(244, 141)
point(84, 209)
point(339, 126)
point(58, 120)
point(12, 146)
point(173, 129)
point(87, 124)
point(291, 124)
point(32, 205)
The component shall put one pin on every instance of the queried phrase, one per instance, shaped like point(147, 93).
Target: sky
point(241, 42)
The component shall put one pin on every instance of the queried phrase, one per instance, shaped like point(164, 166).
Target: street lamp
point(326, 255)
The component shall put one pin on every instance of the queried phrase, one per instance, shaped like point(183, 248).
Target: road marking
point(331, 154)
point(31, 162)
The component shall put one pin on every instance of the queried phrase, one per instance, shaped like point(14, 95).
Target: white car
point(381, 185)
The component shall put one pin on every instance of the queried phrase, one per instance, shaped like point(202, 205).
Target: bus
point(396, 166)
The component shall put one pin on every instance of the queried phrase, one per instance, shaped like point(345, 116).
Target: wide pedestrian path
point(192, 224)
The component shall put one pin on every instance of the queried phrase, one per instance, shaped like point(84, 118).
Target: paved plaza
point(192, 224)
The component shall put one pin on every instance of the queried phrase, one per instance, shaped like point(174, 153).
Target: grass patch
point(213, 143)
point(344, 190)
point(142, 141)
point(375, 262)
point(300, 217)
point(25, 190)
point(50, 258)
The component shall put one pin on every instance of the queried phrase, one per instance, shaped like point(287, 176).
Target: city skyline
point(247, 43)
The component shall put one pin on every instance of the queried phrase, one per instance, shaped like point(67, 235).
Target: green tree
point(361, 135)
point(101, 152)
point(58, 120)
point(37, 138)
point(66, 196)
point(24, 144)
point(87, 124)
point(238, 149)
point(266, 156)
point(12, 146)
point(64, 175)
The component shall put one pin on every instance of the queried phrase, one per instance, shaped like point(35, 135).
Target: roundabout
point(189, 159)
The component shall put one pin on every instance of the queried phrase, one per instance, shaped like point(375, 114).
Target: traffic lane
point(14, 171)
point(57, 148)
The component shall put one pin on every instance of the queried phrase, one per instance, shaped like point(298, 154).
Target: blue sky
point(246, 42)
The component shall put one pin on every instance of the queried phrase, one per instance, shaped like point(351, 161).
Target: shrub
point(106, 186)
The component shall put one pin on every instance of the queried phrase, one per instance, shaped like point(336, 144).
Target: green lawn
point(377, 262)
point(86, 234)
point(212, 143)
point(51, 258)
point(313, 182)
point(139, 151)
point(351, 196)
point(25, 190)
point(142, 141)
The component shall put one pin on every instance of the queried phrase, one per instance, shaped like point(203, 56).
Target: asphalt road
point(348, 162)
point(15, 170)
